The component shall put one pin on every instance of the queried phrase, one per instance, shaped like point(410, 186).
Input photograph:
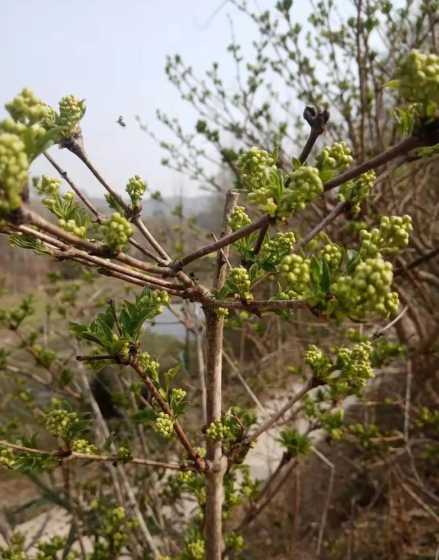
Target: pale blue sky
point(112, 53)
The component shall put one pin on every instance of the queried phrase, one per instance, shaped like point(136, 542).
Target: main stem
point(216, 461)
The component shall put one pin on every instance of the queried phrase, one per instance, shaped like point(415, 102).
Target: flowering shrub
point(260, 270)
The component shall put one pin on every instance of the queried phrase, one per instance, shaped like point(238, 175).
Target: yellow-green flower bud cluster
point(260, 177)
point(53, 548)
point(222, 312)
point(62, 206)
point(332, 254)
point(71, 111)
point(149, 366)
point(49, 187)
point(317, 360)
point(218, 431)
point(418, 82)
point(274, 250)
point(179, 394)
point(332, 422)
point(164, 425)
point(186, 477)
point(264, 201)
point(136, 188)
point(15, 549)
point(123, 453)
point(235, 542)
point(161, 297)
point(364, 433)
point(60, 422)
point(14, 166)
point(231, 425)
point(255, 167)
point(27, 109)
point(117, 230)
point(239, 218)
point(296, 275)
point(43, 356)
point(7, 458)
point(189, 481)
point(196, 549)
point(355, 368)
point(304, 186)
point(112, 528)
point(428, 417)
point(72, 227)
point(357, 190)
point(392, 236)
point(368, 289)
point(333, 159)
point(239, 283)
point(84, 446)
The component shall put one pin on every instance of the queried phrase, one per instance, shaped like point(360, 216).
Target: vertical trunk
point(215, 475)
point(214, 362)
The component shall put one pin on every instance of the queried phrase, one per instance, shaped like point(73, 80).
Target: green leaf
point(133, 315)
point(353, 258)
point(25, 241)
point(169, 377)
point(393, 84)
point(325, 278)
point(114, 204)
point(316, 272)
point(99, 331)
point(144, 416)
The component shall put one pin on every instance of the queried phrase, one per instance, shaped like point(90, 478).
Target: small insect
point(121, 121)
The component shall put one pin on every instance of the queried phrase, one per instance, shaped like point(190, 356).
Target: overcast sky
point(112, 53)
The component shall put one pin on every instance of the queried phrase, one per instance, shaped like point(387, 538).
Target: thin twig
point(323, 521)
point(292, 400)
point(317, 120)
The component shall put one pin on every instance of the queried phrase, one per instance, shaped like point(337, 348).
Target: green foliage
point(71, 217)
point(45, 550)
point(25, 462)
point(111, 530)
point(114, 331)
point(25, 241)
point(295, 443)
point(14, 317)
